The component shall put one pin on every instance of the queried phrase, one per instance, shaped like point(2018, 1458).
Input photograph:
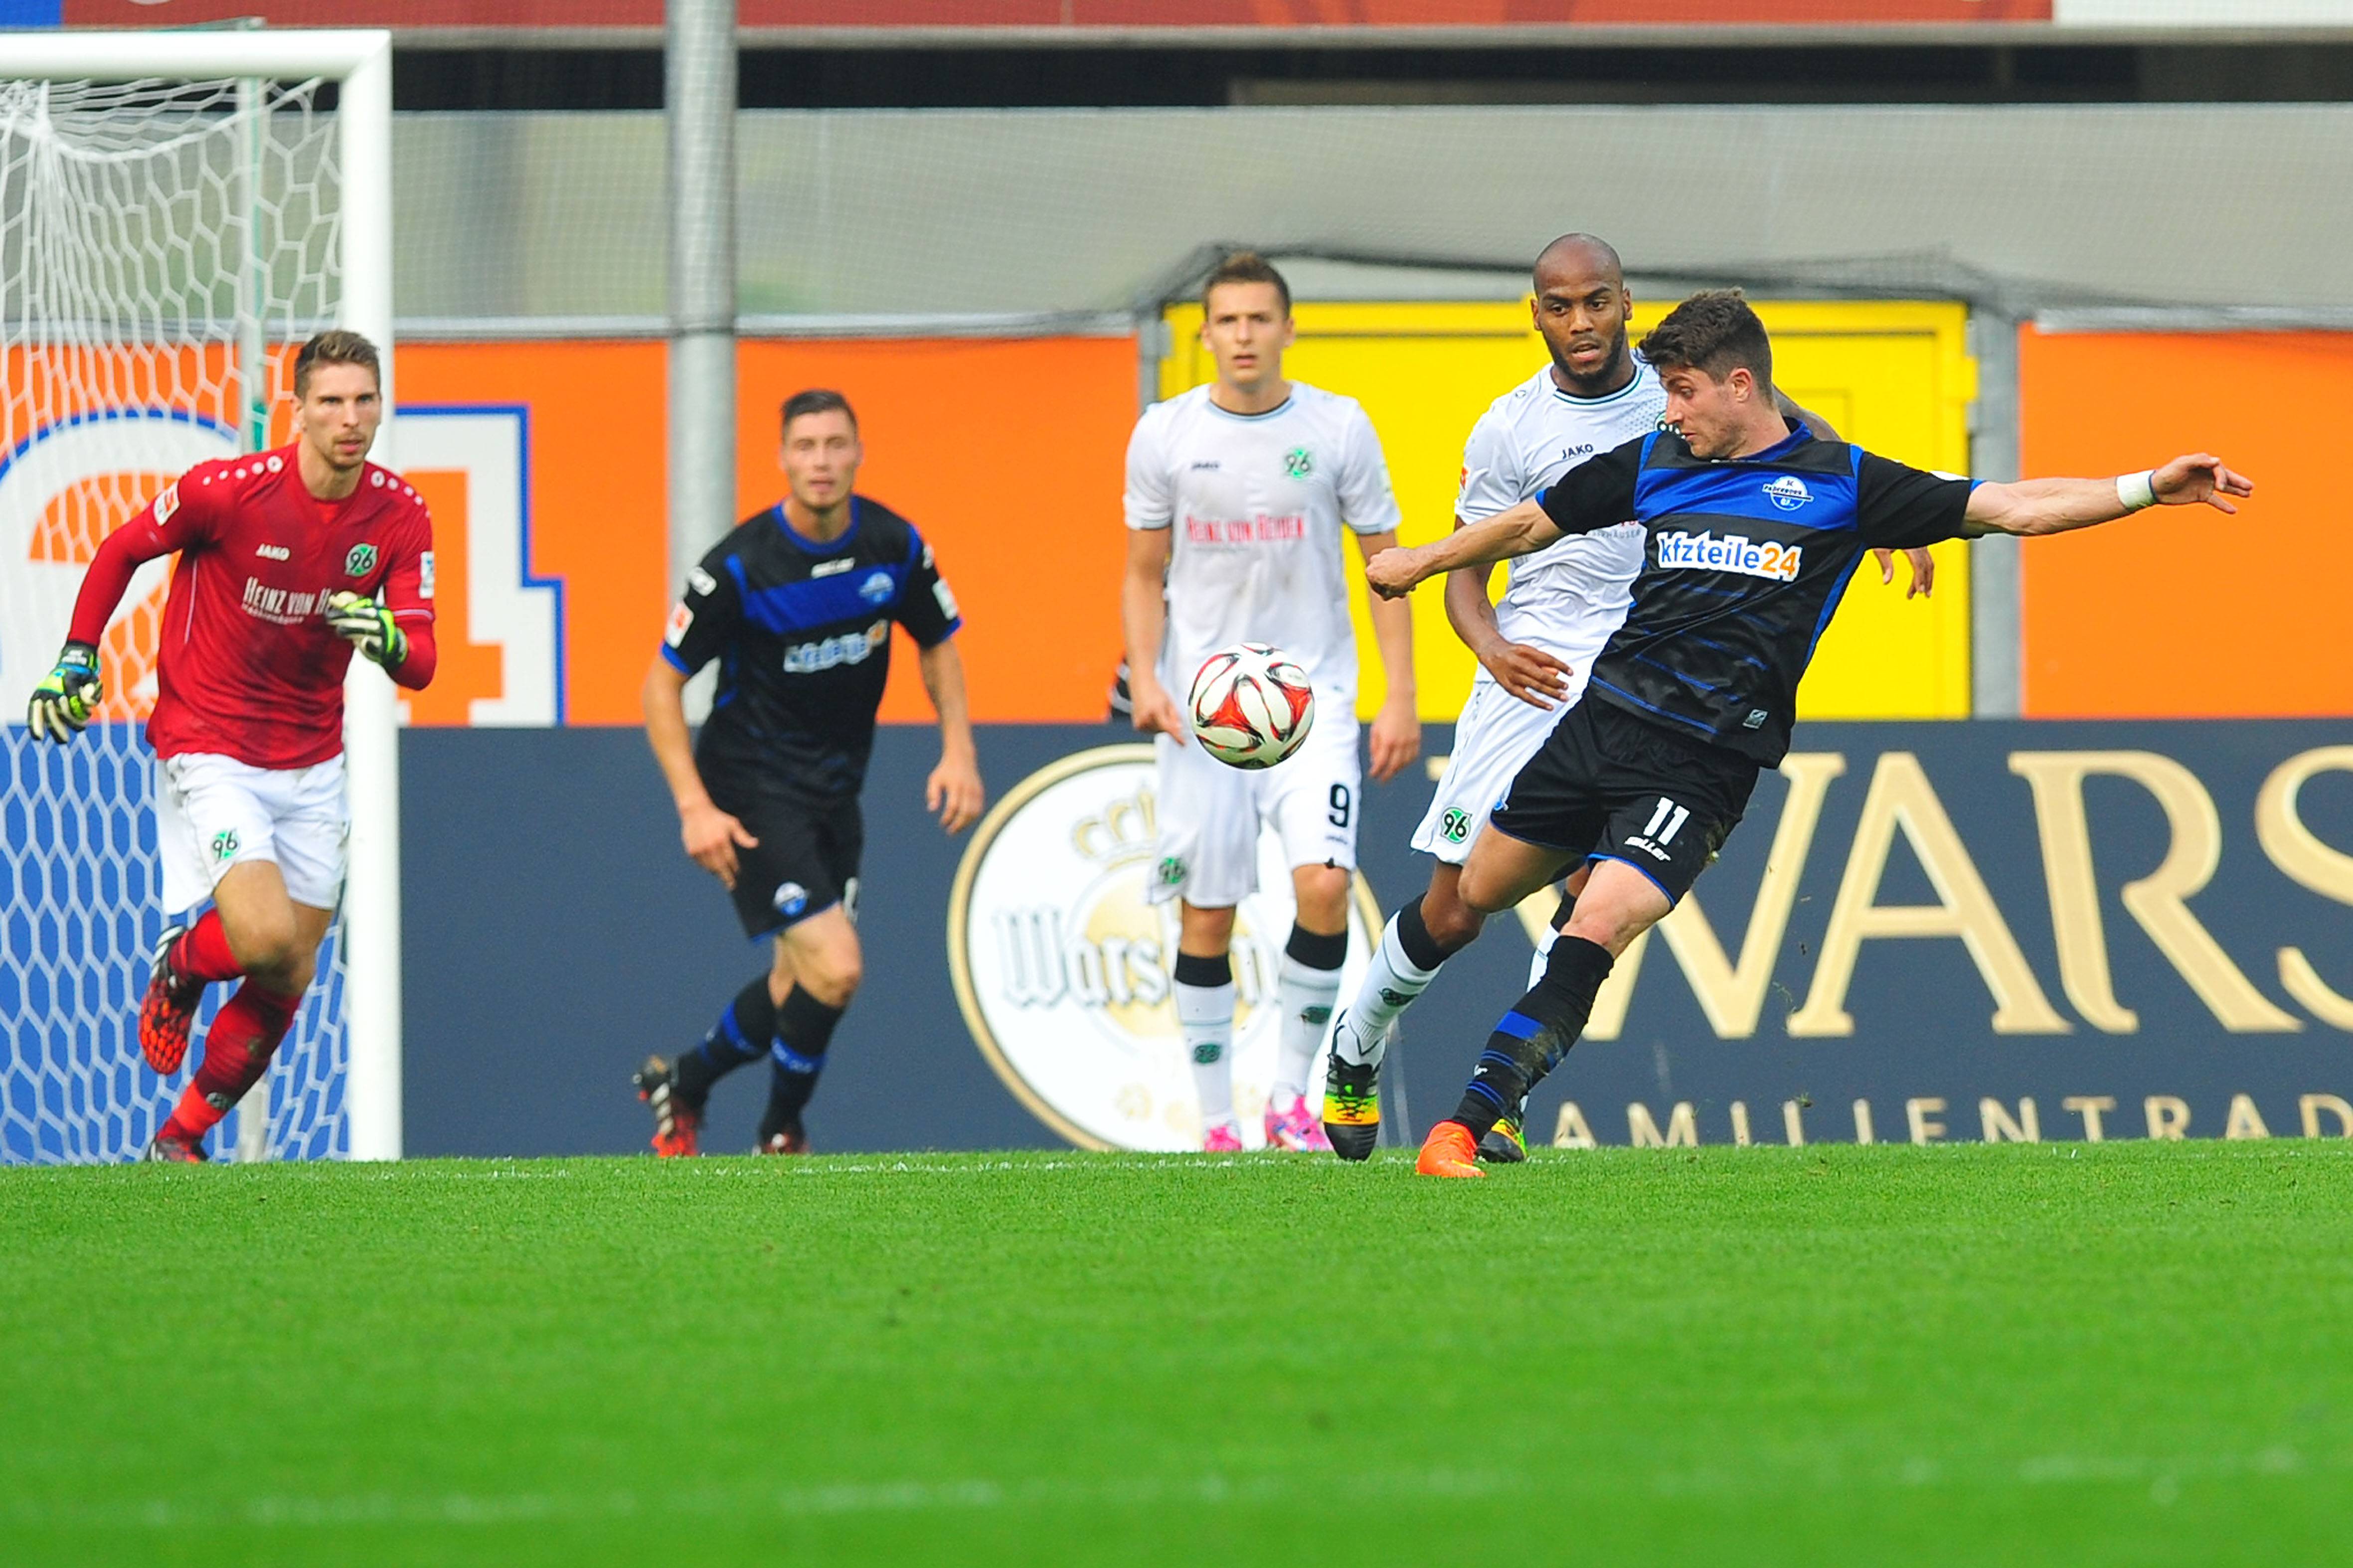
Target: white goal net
point(165, 246)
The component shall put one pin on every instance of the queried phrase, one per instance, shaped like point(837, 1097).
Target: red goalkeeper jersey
point(248, 666)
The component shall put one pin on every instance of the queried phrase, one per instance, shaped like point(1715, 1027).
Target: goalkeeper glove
point(64, 701)
point(367, 625)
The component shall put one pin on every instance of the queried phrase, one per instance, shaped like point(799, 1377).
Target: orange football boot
point(1449, 1150)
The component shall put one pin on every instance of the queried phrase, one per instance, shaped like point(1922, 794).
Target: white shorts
point(212, 812)
point(1493, 742)
point(1208, 816)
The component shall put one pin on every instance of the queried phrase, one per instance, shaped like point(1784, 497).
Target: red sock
point(237, 1053)
point(202, 953)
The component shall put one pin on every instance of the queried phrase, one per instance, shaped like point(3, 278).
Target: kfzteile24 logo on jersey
point(1062, 968)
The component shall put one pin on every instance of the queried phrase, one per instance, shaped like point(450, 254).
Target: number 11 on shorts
point(1666, 822)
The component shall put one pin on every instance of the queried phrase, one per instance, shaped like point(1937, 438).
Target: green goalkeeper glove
point(367, 625)
point(67, 696)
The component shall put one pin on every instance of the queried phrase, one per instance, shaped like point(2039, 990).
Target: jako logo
point(1788, 492)
point(1706, 553)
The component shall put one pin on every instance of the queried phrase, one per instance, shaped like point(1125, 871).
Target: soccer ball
point(1250, 707)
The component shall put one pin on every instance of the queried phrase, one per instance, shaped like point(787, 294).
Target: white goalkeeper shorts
point(1493, 742)
point(1208, 815)
point(213, 812)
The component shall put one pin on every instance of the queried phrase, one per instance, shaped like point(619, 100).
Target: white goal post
point(360, 62)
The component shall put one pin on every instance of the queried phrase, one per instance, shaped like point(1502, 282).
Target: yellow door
point(1892, 376)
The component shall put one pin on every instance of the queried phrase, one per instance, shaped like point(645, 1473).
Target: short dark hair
point(336, 347)
point(1246, 266)
point(1714, 332)
point(816, 400)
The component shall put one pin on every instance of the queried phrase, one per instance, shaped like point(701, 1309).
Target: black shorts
point(1609, 786)
point(805, 861)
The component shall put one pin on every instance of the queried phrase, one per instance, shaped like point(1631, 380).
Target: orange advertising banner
point(1007, 454)
point(2188, 612)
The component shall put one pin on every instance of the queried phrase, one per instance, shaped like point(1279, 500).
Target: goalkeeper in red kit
point(290, 560)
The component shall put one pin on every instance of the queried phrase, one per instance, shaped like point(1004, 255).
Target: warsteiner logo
point(1063, 965)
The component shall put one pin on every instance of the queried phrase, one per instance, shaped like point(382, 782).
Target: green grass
point(2117, 1354)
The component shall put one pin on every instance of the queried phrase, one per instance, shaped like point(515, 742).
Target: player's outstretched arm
point(1144, 620)
point(1396, 735)
point(67, 697)
point(2031, 507)
point(954, 789)
point(1515, 531)
point(710, 835)
point(1530, 674)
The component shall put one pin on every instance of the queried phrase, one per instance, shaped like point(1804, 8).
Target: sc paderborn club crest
point(1299, 462)
point(360, 562)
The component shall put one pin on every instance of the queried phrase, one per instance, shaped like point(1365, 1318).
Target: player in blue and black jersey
point(1754, 531)
point(797, 604)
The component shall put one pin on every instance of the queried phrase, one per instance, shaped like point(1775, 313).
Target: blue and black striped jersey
point(1745, 560)
point(802, 634)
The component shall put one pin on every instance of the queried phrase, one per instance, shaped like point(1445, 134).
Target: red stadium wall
point(1007, 453)
point(2189, 614)
point(1058, 13)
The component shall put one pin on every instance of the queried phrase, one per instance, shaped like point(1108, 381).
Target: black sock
point(1315, 950)
point(803, 1030)
point(1534, 1035)
point(741, 1035)
point(1421, 949)
point(1192, 968)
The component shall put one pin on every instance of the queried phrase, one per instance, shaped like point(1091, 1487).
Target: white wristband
point(2137, 491)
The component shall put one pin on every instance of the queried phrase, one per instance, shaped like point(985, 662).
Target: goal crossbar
point(360, 61)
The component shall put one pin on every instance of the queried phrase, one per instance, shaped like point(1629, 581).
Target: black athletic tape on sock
point(741, 1035)
point(807, 1024)
point(804, 1032)
point(1192, 968)
point(1567, 908)
point(1315, 950)
point(1530, 1040)
point(1421, 949)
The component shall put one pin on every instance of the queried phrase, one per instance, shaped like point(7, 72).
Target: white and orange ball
point(1250, 707)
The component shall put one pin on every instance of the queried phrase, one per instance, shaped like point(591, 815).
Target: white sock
point(1205, 1019)
point(1307, 999)
point(1391, 982)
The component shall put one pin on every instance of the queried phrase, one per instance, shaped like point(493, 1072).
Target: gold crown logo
point(1121, 829)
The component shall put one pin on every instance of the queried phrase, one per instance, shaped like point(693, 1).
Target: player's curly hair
point(1715, 332)
point(1246, 266)
point(336, 347)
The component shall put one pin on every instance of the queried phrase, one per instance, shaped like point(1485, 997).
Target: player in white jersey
point(1238, 494)
point(1534, 646)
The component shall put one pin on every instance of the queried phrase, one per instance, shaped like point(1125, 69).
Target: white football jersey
point(1255, 504)
point(1569, 597)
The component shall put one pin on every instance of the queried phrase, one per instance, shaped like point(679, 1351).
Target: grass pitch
point(2126, 1353)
